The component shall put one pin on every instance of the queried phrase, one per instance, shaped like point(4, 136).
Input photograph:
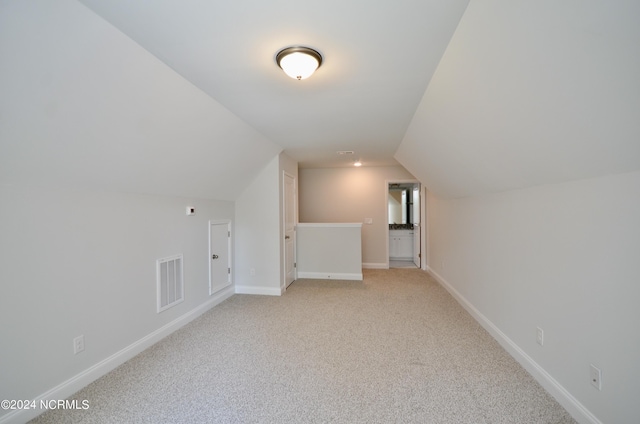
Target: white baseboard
point(267, 291)
point(88, 376)
point(375, 265)
point(578, 411)
point(330, 275)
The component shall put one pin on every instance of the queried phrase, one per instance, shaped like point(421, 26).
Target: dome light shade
point(299, 62)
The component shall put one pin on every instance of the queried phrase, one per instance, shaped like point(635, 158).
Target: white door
point(289, 225)
point(219, 255)
point(417, 252)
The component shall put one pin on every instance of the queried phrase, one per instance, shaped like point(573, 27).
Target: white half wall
point(330, 251)
point(561, 257)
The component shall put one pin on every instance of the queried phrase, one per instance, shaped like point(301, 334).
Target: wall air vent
point(170, 282)
point(345, 152)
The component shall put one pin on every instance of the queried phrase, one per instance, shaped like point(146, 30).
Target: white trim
point(577, 410)
point(376, 265)
point(330, 276)
point(88, 376)
point(330, 224)
point(268, 291)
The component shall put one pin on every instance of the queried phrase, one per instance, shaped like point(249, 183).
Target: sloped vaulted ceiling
point(83, 106)
point(184, 98)
point(530, 93)
point(378, 58)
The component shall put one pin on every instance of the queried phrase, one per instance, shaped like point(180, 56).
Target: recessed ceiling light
point(299, 62)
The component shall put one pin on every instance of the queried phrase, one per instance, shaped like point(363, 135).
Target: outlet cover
point(596, 377)
point(540, 336)
point(78, 344)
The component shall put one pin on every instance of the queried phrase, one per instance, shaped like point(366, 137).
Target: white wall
point(562, 257)
point(258, 231)
point(260, 234)
point(351, 195)
point(80, 262)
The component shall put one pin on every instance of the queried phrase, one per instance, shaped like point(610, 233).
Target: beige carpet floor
point(394, 348)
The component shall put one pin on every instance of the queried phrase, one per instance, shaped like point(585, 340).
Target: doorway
point(289, 225)
point(404, 230)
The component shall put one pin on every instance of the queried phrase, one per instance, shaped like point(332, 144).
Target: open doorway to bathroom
point(403, 217)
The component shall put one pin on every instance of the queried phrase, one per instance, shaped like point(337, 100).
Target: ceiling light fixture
point(357, 163)
point(299, 62)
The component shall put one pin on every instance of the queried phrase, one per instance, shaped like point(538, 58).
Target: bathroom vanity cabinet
point(401, 244)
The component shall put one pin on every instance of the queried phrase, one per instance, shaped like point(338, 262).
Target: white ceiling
point(185, 98)
point(378, 57)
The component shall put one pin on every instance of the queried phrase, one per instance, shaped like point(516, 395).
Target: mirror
point(404, 203)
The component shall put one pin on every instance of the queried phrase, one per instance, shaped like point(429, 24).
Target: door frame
point(424, 232)
point(286, 174)
point(213, 222)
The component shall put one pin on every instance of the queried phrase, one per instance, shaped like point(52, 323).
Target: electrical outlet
point(540, 336)
point(596, 377)
point(78, 344)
